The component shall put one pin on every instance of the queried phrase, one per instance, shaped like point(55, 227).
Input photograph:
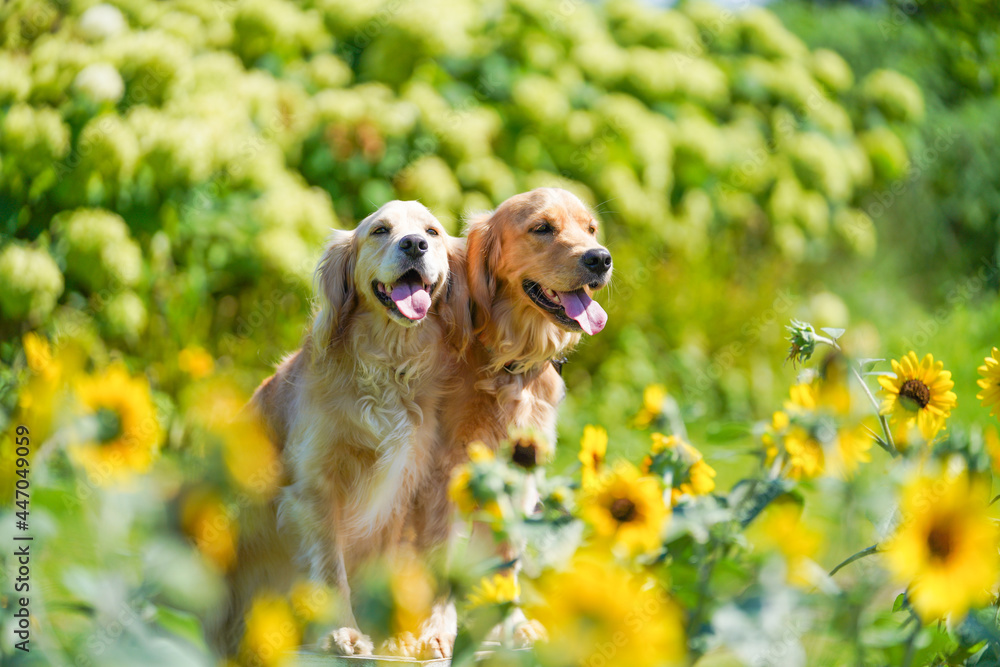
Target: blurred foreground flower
point(598, 613)
point(782, 528)
point(312, 601)
point(528, 450)
point(945, 550)
point(205, 518)
point(990, 382)
point(50, 371)
point(271, 633)
point(251, 458)
point(919, 394)
point(626, 507)
point(412, 595)
point(593, 450)
point(127, 434)
point(501, 588)
point(474, 487)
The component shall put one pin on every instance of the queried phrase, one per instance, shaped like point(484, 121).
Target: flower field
point(780, 450)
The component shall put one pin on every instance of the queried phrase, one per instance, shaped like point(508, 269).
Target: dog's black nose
point(413, 245)
point(597, 260)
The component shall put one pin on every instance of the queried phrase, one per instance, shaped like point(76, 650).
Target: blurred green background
point(169, 170)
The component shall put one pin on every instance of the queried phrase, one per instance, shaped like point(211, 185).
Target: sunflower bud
point(802, 336)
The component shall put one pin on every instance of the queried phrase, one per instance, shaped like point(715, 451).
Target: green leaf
point(756, 498)
point(181, 623)
point(898, 603)
point(833, 333)
point(727, 431)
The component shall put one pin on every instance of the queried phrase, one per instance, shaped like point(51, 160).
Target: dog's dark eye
point(544, 228)
point(431, 231)
point(593, 230)
point(381, 229)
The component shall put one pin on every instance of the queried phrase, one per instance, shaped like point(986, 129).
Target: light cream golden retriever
point(354, 412)
point(532, 268)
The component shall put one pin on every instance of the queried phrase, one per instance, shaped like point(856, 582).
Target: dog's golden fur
point(507, 379)
point(354, 413)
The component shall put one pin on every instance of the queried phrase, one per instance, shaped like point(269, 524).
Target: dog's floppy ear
point(335, 286)
point(483, 258)
point(456, 310)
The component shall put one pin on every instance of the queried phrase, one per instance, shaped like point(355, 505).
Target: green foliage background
point(169, 181)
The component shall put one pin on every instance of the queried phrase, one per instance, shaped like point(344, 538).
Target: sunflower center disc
point(915, 393)
point(524, 455)
point(939, 542)
point(623, 510)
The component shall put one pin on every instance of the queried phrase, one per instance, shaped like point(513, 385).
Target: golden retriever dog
point(532, 268)
point(354, 412)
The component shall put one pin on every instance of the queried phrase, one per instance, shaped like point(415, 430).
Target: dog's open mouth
point(574, 310)
point(409, 296)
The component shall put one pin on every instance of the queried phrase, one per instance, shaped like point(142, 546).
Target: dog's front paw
point(348, 641)
point(436, 645)
point(529, 633)
point(403, 645)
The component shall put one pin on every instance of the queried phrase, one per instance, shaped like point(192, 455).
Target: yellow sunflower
point(802, 454)
point(691, 475)
point(853, 448)
point(312, 602)
point(805, 454)
point(626, 507)
point(196, 362)
point(652, 405)
point(833, 390)
point(501, 588)
point(412, 595)
point(991, 440)
point(802, 397)
point(462, 492)
point(946, 547)
point(207, 521)
point(782, 529)
point(593, 449)
point(51, 372)
point(252, 460)
point(599, 613)
point(919, 394)
point(478, 452)
point(990, 382)
point(528, 449)
point(127, 434)
point(271, 633)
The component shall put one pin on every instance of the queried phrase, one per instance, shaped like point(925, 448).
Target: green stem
point(881, 418)
point(858, 556)
point(871, 397)
point(911, 645)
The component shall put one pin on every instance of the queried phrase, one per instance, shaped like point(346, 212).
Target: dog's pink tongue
point(587, 312)
point(411, 299)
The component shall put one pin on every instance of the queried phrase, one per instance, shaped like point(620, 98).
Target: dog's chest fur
point(363, 434)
